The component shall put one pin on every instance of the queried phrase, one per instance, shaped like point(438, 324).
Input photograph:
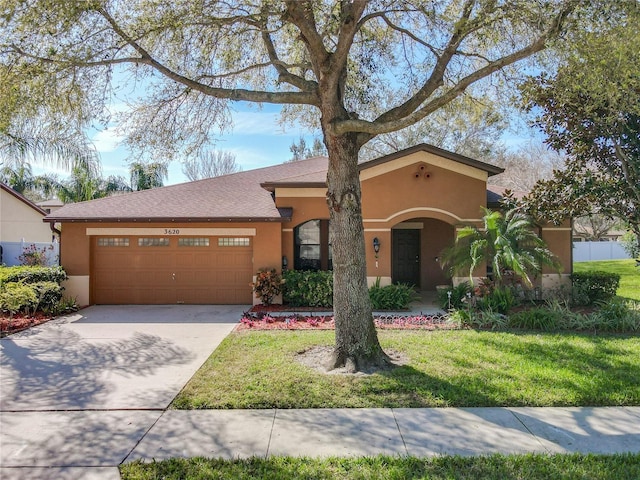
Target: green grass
point(499, 467)
point(629, 274)
point(461, 368)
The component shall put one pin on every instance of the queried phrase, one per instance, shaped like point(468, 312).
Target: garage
point(137, 269)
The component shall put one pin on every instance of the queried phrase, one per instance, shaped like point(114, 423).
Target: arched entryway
point(416, 247)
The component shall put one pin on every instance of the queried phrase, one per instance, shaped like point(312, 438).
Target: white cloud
point(252, 123)
point(107, 140)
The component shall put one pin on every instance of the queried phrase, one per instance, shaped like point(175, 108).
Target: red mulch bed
point(264, 321)
point(21, 322)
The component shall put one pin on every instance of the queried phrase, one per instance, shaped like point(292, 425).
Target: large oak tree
point(335, 59)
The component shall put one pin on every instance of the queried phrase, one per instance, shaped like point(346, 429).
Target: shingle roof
point(242, 196)
point(235, 197)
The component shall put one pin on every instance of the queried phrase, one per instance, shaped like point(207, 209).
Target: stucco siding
point(19, 221)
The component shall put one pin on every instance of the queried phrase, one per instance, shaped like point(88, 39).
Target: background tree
point(467, 126)
point(506, 243)
point(213, 163)
point(144, 176)
point(525, 166)
point(23, 181)
point(331, 58)
point(591, 110)
point(88, 184)
point(300, 150)
point(594, 227)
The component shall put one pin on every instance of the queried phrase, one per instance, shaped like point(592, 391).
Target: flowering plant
point(268, 284)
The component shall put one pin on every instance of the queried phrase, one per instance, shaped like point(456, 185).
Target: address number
point(172, 231)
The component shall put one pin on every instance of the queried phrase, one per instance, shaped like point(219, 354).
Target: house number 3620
point(172, 231)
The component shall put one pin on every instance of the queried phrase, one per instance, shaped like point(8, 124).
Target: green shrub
point(17, 297)
point(538, 318)
point(391, 297)
point(308, 288)
point(592, 287)
point(27, 274)
point(49, 295)
point(65, 305)
point(498, 299)
point(458, 294)
point(617, 315)
point(268, 284)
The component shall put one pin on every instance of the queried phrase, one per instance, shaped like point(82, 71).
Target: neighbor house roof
point(242, 196)
point(22, 198)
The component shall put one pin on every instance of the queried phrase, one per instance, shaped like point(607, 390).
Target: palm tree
point(507, 243)
point(22, 180)
point(86, 185)
point(147, 175)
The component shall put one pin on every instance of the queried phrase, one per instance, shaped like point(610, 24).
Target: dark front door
point(406, 257)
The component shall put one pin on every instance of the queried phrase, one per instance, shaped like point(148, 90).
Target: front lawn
point(629, 274)
point(460, 368)
point(504, 467)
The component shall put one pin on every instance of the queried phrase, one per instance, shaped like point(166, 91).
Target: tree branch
point(284, 75)
point(301, 15)
point(304, 98)
point(409, 113)
point(435, 80)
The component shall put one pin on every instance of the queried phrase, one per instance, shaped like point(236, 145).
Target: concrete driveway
point(82, 390)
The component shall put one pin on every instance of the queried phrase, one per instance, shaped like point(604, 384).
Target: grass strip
point(461, 368)
point(499, 467)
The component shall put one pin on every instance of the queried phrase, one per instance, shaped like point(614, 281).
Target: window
point(113, 242)
point(312, 250)
point(153, 242)
point(233, 242)
point(193, 242)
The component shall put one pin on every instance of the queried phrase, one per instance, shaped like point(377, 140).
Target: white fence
point(11, 251)
point(587, 251)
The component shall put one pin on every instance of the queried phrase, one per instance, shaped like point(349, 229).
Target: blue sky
point(257, 140)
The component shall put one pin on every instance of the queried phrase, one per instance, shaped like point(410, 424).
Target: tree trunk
point(357, 345)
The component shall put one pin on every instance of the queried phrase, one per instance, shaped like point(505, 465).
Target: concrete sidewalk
point(115, 437)
point(404, 431)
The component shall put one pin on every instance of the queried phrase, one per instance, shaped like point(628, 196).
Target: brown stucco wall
point(445, 194)
point(75, 247)
point(441, 193)
point(435, 237)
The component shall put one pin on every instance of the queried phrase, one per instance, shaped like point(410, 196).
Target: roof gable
point(437, 152)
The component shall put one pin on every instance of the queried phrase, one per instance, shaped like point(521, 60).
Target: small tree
point(210, 164)
point(300, 150)
point(507, 243)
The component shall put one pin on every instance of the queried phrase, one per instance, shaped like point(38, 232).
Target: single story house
point(21, 224)
point(203, 241)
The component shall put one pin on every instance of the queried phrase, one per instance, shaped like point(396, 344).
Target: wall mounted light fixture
point(376, 245)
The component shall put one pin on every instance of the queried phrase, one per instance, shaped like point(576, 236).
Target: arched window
point(312, 250)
